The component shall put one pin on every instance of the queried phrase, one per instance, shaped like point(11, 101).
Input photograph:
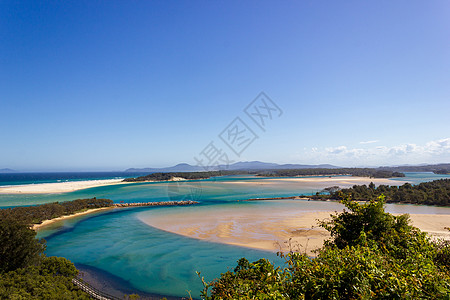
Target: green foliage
point(37, 214)
point(436, 192)
point(18, 246)
point(369, 220)
point(25, 273)
point(371, 255)
point(442, 257)
point(52, 279)
point(257, 280)
point(185, 175)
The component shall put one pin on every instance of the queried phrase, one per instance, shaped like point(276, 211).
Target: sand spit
point(270, 230)
point(114, 206)
point(57, 187)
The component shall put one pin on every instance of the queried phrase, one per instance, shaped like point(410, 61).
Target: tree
point(52, 279)
point(18, 246)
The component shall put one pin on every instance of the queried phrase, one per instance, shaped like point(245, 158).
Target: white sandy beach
point(321, 181)
point(56, 187)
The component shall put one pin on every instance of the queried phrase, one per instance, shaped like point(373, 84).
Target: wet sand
point(269, 228)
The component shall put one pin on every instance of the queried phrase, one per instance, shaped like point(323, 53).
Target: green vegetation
point(427, 168)
point(185, 175)
point(51, 279)
point(36, 214)
point(25, 273)
point(371, 255)
point(363, 172)
point(436, 192)
point(18, 246)
point(442, 171)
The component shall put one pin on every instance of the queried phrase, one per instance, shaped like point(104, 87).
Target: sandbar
point(57, 187)
point(269, 229)
point(320, 181)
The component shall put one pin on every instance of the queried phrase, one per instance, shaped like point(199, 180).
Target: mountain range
point(242, 165)
point(258, 165)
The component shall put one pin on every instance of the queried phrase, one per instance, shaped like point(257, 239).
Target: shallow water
point(150, 260)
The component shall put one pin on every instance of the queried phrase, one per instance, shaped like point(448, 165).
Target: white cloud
point(431, 152)
point(438, 147)
point(337, 150)
point(369, 142)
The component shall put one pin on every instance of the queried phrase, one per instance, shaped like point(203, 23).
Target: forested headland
point(362, 172)
point(437, 169)
point(184, 175)
point(37, 214)
point(436, 192)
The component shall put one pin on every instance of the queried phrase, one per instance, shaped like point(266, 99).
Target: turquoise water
point(209, 191)
point(155, 261)
point(151, 260)
point(51, 177)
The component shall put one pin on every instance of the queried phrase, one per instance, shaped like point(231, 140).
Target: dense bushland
point(436, 192)
point(185, 175)
point(25, 273)
point(37, 214)
point(363, 172)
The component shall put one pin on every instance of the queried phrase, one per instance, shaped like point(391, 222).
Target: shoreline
point(56, 187)
point(71, 186)
point(114, 206)
point(81, 213)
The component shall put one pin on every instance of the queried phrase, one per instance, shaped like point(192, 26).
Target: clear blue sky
point(107, 85)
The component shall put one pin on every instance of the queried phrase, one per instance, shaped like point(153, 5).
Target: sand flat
point(320, 181)
point(268, 228)
point(56, 187)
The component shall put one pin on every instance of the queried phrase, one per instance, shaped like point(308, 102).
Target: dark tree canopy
point(18, 246)
point(436, 192)
point(38, 213)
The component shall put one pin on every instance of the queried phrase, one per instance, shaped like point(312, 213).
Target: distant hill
point(257, 165)
point(6, 170)
point(438, 168)
point(242, 165)
point(177, 168)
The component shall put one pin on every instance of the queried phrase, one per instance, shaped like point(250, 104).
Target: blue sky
point(107, 85)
